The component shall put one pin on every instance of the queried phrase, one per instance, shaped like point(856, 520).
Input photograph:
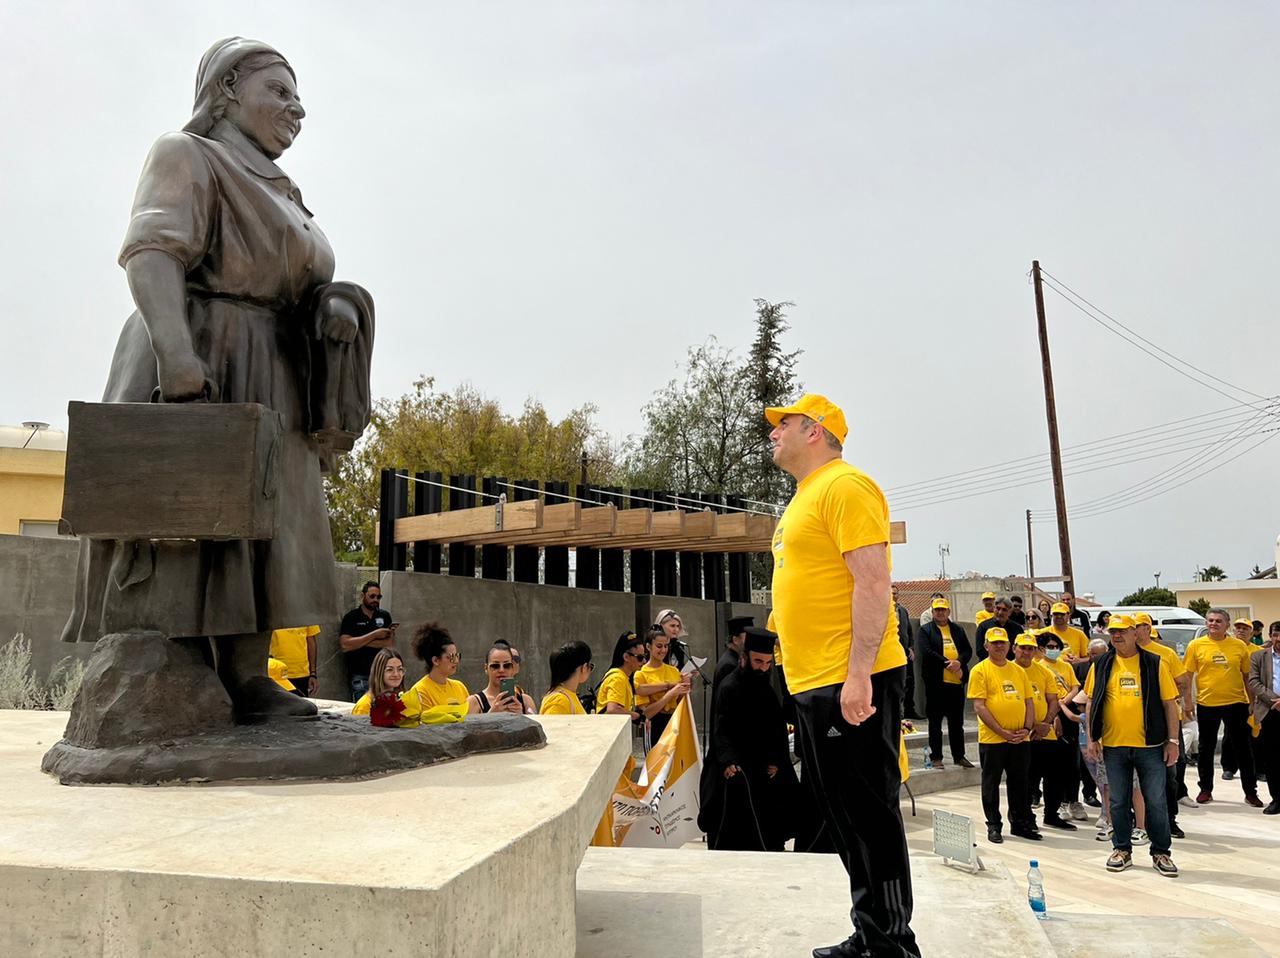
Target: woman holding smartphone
point(501, 694)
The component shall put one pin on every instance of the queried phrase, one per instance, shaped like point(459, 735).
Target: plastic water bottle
point(1035, 890)
point(928, 757)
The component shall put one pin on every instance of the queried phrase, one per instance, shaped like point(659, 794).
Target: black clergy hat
point(761, 641)
point(739, 622)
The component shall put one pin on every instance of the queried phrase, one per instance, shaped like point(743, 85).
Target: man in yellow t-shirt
point(845, 666)
point(1220, 664)
point(296, 648)
point(1132, 712)
point(988, 608)
point(1075, 642)
point(1175, 774)
point(1048, 761)
point(1005, 704)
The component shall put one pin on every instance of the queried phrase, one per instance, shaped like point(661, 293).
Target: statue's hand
point(183, 379)
point(339, 320)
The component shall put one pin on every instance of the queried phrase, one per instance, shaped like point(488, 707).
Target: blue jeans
point(1122, 762)
point(359, 685)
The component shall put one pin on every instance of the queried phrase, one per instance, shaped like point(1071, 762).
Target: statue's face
point(267, 109)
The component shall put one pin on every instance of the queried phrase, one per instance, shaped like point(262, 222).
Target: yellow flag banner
point(661, 809)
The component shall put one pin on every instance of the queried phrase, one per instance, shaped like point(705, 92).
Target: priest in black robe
point(748, 783)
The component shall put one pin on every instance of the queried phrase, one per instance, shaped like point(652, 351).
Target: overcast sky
point(558, 199)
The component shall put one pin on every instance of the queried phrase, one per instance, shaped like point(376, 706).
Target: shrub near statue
point(236, 311)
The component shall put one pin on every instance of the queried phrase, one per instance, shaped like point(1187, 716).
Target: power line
point(1217, 416)
point(1086, 451)
point(1068, 297)
point(1212, 468)
point(1040, 477)
point(1233, 438)
point(1102, 312)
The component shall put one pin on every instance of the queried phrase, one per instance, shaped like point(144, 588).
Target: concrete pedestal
point(469, 858)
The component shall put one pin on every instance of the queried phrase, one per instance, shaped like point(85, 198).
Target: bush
point(18, 686)
point(1200, 606)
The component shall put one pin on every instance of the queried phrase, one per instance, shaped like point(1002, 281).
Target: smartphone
point(508, 686)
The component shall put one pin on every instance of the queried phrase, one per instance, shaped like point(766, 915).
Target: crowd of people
point(1074, 713)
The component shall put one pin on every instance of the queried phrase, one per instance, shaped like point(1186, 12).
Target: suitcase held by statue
point(171, 471)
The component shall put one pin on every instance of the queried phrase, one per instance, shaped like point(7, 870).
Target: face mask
point(1052, 654)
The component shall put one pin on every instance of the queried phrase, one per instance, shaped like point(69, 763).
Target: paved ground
point(1230, 864)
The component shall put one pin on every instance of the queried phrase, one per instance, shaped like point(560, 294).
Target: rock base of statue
point(152, 712)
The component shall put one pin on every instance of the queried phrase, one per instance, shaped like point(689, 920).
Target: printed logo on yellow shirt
point(1219, 659)
point(1129, 686)
point(1010, 690)
point(1062, 683)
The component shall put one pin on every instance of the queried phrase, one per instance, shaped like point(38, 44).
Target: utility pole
point(1031, 556)
point(1158, 574)
point(1055, 450)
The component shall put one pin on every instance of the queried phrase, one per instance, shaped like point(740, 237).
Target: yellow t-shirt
point(1122, 721)
point(836, 509)
point(1168, 656)
point(660, 675)
point(431, 693)
point(1006, 689)
point(290, 647)
point(615, 687)
point(1043, 681)
point(949, 653)
point(1220, 667)
point(560, 701)
point(1073, 640)
point(1063, 674)
point(982, 616)
point(410, 718)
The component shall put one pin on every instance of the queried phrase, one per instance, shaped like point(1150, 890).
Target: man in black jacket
point(1132, 714)
point(944, 653)
point(1003, 612)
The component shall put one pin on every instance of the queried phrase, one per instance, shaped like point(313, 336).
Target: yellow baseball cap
point(1141, 618)
point(1023, 639)
point(818, 408)
point(1155, 633)
point(982, 616)
point(1059, 608)
point(988, 595)
point(997, 634)
point(1247, 622)
point(1118, 623)
point(940, 604)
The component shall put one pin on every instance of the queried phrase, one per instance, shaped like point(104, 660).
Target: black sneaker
point(994, 836)
point(1228, 776)
point(1030, 834)
point(1092, 801)
point(1175, 831)
point(1053, 821)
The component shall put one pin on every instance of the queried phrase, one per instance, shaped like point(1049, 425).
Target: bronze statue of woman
point(232, 278)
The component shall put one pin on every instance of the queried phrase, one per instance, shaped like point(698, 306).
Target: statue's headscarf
point(218, 59)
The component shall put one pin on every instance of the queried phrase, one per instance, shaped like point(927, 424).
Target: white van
point(1177, 626)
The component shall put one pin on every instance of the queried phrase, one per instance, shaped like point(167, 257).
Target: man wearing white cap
point(845, 666)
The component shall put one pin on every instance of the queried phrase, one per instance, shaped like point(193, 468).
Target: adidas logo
point(833, 732)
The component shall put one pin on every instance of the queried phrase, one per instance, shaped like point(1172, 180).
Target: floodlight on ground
point(953, 840)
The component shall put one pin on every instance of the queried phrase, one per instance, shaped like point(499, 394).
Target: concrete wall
point(536, 619)
point(37, 578)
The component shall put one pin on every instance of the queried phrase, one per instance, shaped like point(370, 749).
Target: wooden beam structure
point(531, 523)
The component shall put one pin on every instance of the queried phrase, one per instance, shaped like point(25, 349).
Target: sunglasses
point(497, 666)
point(636, 655)
point(452, 656)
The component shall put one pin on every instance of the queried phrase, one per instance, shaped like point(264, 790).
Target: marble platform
point(469, 858)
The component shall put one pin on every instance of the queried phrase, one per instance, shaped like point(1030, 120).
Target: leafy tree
point(462, 432)
point(1210, 573)
point(771, 372)
point(1150, 596)
point(1199, 606)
